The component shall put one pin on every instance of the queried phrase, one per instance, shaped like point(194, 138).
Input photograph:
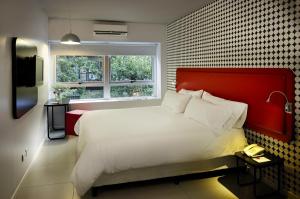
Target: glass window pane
point(131, 91)
point(79, 68)
point(130, 68)
point(82, 92)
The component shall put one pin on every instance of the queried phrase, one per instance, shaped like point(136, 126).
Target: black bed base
point(175, 179)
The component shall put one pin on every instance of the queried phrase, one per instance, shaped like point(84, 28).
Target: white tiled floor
point(49, 178)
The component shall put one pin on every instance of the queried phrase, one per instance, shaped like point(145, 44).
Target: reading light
point(288, 107)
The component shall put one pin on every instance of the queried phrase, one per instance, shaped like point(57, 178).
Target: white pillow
point(217, 118)
point(239, 109)
point(175, 102)
point(197, 93)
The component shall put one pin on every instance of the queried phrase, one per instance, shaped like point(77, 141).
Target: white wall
point(137, 33)
point(19, 19)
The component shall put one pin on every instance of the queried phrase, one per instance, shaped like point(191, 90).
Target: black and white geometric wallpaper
point(244, 33)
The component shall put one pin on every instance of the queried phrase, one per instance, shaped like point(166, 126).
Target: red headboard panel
point(251, 86)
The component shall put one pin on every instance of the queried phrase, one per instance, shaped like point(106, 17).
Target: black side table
point(51, 104)
point(274, 161)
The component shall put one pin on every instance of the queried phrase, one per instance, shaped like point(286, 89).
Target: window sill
point(121, 99)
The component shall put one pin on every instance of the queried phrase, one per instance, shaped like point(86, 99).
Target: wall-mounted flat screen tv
point(24, 90)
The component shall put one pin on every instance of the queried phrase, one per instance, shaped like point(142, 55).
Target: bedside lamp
point(288, 107)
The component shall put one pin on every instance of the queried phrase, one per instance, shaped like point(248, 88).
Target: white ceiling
point(140, 11)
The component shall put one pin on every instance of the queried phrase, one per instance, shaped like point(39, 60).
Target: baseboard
point(29, 166)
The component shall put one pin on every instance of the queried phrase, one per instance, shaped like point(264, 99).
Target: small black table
point(275, 161)
point(50, 104)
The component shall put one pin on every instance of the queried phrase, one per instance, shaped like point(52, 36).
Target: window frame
point(106, 82)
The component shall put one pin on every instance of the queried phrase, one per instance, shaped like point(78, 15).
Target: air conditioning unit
point(110, 29)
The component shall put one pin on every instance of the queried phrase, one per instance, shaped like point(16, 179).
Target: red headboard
point(251, 86)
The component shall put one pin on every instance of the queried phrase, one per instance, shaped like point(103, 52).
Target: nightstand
point(56, 132)
point(257, 167)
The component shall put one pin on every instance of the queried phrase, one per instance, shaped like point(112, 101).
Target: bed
point(153, 142)
point(132, 135)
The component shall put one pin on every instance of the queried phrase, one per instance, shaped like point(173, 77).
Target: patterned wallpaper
point(244, 33)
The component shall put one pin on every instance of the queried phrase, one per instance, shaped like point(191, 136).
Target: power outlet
point(24, 155)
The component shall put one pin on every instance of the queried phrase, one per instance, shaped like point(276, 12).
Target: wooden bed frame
point(248, 85)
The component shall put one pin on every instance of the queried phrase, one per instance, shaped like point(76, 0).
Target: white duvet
point(121, 139)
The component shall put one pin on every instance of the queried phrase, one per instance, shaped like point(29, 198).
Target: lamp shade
point(70, 39)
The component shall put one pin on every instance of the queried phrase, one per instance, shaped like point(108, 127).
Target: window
point(131, 91)
point(131, 76)
point(79, 69)
point(115, 76)
point(81, 77)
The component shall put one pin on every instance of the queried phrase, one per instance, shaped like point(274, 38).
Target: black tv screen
point(24, 90)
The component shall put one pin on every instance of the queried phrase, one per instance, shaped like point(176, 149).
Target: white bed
point(124, 145)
